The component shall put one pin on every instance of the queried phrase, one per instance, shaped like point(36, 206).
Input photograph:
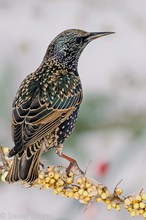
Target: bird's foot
point(74, 167)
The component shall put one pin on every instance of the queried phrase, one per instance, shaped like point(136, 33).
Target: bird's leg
point(73, 163)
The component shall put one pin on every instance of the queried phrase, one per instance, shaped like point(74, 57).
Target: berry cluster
point(80, 187)
point(136, 205)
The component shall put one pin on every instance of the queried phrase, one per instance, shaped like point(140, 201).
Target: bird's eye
point(79, 40)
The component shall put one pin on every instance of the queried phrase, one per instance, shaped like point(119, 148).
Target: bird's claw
point(74, 168)
point(42, 166)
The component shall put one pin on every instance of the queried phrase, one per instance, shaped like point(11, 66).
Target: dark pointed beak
point(94, 35)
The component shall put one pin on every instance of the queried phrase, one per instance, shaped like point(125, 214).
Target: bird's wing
point(43, 109)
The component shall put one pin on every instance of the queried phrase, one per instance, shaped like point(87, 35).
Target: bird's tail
point(24, 168)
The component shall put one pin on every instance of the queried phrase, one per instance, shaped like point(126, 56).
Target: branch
point(81, 188)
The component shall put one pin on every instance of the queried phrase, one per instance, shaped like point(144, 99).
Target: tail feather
point(24, 168)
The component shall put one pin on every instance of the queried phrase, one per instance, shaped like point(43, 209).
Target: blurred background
point(111, 130)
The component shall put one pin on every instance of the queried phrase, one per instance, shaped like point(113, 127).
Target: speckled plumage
point(46, 105)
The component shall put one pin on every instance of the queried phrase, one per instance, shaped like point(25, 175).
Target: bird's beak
point(94, 35)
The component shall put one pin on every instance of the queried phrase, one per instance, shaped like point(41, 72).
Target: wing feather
point(33, 118)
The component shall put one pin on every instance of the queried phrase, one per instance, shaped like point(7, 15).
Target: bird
point(46, 106)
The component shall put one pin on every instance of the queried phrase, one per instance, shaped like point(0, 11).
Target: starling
point(46, 106)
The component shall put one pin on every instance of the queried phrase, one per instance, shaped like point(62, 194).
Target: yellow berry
point(118, 208)
point(93, 193)
point(80, 192)
point(132, 213)
point(127, 202)
point(84, 179)
point(138, 198)
point(107, 193)
point(47, 179)
point(42, 187)
point(142, 205)
point(60, 189)
point(79, 181)
point(75, 188)
point(85, 202)
point(55, 191)
point(109, 207)
point(136, 205)
point(130, 209)
point(144, 214)
point(82, 186)
point(70, 194)
point(103, 196)
point(60, 182)
point(98, 199)
point(52, 181)
point(107, 201)
point(76, 195)
point(87, 185)
point(41, 175)
point(94, 188)
point(43, 182)
point(56, 176)
point(118, 191)
point(87, 199)
point(51, 174)
point(64, 176)
point(144, 196)
point(85, 193)
point(132, 198)
point(39, 181)
point(114, 204)
point(81, 197)
point(99, 191)
point(141, 211)
point(46, 186)
point(81, 201)
point(50, 168)
point(89, 190)
point(71, 174)
point(69, 180)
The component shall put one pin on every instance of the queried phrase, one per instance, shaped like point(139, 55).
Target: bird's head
point(69, 44)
